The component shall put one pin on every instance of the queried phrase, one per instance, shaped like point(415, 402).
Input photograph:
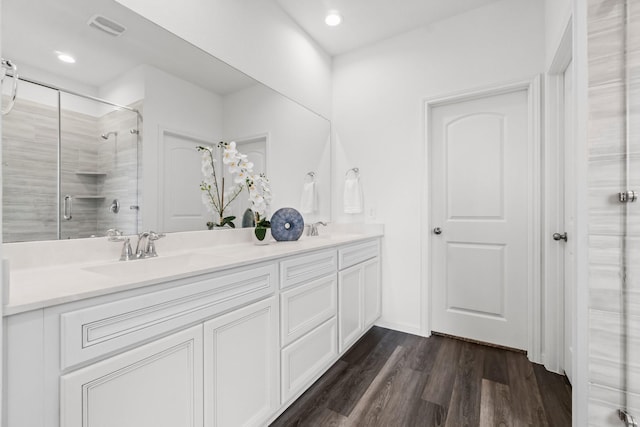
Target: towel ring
point(356, 172)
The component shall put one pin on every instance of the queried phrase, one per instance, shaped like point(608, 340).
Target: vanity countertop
point(36, 287)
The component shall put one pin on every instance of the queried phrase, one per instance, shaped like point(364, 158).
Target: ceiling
point(369, 21)
point(32, 30)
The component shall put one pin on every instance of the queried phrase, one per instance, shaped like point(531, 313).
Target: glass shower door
point(99, 168)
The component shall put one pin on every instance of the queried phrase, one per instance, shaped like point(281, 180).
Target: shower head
point(106, 136)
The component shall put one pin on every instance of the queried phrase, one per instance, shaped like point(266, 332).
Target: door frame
point(534, 318)
point(554, 167)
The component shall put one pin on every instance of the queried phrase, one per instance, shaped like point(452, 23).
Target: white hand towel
point(352, 196)
point(309, 199)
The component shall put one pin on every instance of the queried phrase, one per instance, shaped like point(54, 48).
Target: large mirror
point(110, 140)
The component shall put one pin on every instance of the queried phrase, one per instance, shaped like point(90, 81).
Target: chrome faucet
point(313, 228)
point(145, 248)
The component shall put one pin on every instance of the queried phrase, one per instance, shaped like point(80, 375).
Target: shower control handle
point(558, 236)
point(437, 230)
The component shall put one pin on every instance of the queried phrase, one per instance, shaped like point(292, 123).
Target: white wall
point(298, 143)
point(557, 15)
point(256, 37)
point(176, 105)
point(378, 118)
point(49, 97)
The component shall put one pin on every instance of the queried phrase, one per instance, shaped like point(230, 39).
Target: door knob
point(558, 236)
point(437, 230)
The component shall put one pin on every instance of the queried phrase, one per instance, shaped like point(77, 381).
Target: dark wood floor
point(394, 379)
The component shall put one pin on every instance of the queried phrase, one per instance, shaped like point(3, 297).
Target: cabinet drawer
point(357, 253)
point(306, 359)
point(307, 306)
point(301, 269)
point(95, 331)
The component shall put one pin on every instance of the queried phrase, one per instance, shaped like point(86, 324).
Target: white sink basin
point(153, 267)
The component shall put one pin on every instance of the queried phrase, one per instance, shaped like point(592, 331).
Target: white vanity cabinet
point(241, 369)
point(156, 385)
point(358, 291)
point(224, 348)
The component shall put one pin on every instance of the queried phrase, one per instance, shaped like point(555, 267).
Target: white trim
point(401, 327)
point(554, 162)
point(533, 88)
point(580, 364)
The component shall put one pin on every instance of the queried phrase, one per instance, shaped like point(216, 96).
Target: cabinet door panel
point(371, 283)
point(156, 385)
point(305, 307)
point(241, 366)
point(349, 306)
point(306, 358)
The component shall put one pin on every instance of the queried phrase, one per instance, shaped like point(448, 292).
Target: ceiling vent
point(106, 25)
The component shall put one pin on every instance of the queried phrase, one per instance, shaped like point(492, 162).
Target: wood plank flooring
point(394, 379)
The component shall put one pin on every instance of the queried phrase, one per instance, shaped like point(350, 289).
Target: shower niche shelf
point(91, 173)
point(87, 196)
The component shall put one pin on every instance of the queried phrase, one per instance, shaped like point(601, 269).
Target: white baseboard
point(401, 327)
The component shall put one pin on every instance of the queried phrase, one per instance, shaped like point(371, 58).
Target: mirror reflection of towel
point(309, 199)
point(352, 196)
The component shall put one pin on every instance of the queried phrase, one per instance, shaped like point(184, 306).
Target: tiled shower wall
point(30, 150)
point(614, 228)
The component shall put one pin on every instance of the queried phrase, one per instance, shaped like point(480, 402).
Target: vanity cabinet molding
point(241, 366)
point(92, 332)
point(302, 269)
point(357, 253)
point(156, 385)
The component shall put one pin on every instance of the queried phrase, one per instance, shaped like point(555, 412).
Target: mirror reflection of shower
point(86, 148)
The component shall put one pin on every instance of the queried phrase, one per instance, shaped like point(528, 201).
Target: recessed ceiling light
point(65, 57)
point(333, 19)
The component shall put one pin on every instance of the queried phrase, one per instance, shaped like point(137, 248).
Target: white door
point(480, 191)
point(181, 207)
point(569, 221)
point(156, 385)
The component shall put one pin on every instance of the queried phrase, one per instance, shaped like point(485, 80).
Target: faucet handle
point(155, 236)
point(115, 235)
point(151, 244)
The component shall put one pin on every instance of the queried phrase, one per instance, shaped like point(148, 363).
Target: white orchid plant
point(217, 199)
